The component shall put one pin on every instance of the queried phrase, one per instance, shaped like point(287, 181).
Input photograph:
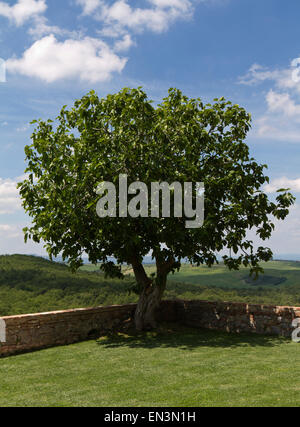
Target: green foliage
point(277, 295)
point(180, 140)
point(31, 284)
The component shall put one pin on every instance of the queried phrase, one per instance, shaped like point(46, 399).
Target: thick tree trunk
point(151, 296)
point(148, 305)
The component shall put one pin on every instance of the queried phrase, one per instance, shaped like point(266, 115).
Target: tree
point(180, 140)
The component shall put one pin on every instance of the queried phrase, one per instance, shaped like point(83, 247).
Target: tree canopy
point(179, 140)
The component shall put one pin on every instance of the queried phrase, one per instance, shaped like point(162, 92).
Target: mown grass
point(173, 367)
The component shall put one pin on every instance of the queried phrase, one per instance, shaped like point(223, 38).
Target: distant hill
point(287, 257)
point(34, 284)
point(146, 260)
point(149, 260)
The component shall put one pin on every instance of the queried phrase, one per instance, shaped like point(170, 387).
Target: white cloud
point(124, 44)
point(156, 19)
point(12, 240)
point(283, 182)
point(59, 53)
point(281, 120)
point(276, 128)
point(11, 232)
point(119, 15)
point(41, 28)
point(50, 60)
point(258, 74)
point(23, 10)
point(8, 231)
point(89, 6)
point(286, 237)
point(285, 78)
point(282, 103)
point(9, 195)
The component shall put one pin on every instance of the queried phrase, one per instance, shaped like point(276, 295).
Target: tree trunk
point(152, 293)
point(149, 302)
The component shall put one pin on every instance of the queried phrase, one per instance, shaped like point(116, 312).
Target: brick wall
point(36, 331)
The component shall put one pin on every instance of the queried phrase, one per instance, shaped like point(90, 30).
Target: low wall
point(238, 317)
point(37, 331)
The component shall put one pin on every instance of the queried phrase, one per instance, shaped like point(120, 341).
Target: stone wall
point(238, 317)
point(36, 331)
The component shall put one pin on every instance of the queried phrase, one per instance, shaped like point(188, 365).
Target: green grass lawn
point(184, 367)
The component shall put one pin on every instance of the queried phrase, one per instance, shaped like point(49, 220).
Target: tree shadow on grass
point(183, 338)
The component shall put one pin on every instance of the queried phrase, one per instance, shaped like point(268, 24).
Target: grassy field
point(276, 273)
point(30, 284)
point(279, 285)
point(170, 368)
point(175, 366)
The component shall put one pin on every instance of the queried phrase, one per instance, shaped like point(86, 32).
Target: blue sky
point(246, 50)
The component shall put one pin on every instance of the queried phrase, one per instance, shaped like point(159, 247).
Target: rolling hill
point(31, 284)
